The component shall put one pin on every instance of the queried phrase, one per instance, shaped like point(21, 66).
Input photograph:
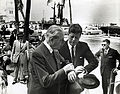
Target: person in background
point(19, 56)
point(108, 57)
point(46, 74)
point(6, 51)
point(3, 81)
point(76, 52)
point(12, 37)
point(3, 28)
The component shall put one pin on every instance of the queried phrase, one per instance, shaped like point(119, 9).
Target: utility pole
point(61, 14)
point(16, 15)
point(70, 12)
point(54, 15)
point(26, 25)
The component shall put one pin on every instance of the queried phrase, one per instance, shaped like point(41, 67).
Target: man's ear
point(51, 39)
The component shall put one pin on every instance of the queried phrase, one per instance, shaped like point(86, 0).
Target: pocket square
point(110, 57)
point(81, 57)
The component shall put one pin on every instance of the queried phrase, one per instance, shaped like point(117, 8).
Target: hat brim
point(89, 81)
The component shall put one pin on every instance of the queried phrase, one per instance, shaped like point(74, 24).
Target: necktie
point(53, 53)
point(105, 52)
point(73, 56)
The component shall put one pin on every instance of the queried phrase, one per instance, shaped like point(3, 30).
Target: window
point(10, 12)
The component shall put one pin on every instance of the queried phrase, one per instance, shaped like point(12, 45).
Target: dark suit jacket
point(82, 52)
point(108, 62)
point(45, 78)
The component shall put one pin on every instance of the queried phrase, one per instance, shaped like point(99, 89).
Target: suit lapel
point(109, 51)
point(67, 51)
point(49, 58)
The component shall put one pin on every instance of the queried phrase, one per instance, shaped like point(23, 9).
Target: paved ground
point(17, 88)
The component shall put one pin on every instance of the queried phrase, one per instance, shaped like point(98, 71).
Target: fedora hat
point(89, 81)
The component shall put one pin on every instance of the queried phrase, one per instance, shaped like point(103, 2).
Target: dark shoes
point(23, 81)
point(14, 82)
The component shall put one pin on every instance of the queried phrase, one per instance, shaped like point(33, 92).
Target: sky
point(83, 11)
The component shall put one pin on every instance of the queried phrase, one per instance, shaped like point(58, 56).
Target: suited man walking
point(46, 73)
point(108, 59)
point(76, 52)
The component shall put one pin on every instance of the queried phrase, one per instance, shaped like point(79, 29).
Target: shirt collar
point(48, 46)
point(70, 45)
point(107, 49)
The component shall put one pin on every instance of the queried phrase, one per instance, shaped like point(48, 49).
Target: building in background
point(6, 10)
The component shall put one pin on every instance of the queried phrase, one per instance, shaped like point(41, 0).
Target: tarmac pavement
point(17, 88)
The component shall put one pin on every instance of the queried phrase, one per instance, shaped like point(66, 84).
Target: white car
point(92, 30)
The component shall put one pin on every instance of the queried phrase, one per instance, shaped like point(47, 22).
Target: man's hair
point(53, 31)
point(107, 41)
point(75, 28)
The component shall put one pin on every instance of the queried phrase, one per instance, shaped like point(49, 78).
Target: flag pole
point(26, 25)
point(70, 12)
point(16, 16)
point(54, 15)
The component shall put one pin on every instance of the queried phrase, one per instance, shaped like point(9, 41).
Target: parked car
point(90, 30)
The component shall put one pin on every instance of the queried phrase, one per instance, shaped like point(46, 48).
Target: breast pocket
point(110, 57)
point(80, 61)
point(81, 57)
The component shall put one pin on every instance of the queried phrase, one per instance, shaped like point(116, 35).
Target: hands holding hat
point(78, 72)
point(84, 79)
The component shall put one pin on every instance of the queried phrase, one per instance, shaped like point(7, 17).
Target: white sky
point(83, 11)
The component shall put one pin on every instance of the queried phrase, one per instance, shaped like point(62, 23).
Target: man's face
point(73, 38)
point(105, 45)
point(57, 42)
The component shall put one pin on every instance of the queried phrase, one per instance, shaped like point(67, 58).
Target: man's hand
point(79, 69)
point(72, 76)
point(69, 67)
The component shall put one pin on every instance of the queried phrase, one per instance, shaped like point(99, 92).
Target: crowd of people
point(55, 66)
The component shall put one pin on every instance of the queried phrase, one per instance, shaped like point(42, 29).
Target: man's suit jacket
point(108, 61)
point(82, 52)
point(45, 76)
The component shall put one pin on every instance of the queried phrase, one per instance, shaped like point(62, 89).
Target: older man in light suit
point(47, 74)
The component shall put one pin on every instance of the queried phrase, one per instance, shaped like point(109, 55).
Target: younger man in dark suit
point(108, 62)
point(76, 51)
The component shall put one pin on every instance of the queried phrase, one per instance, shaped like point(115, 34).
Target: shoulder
point(64, 45)
point(40, 48)
point(26, 42)
point(15, 41)
point(113, 50)
point(81, 43)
